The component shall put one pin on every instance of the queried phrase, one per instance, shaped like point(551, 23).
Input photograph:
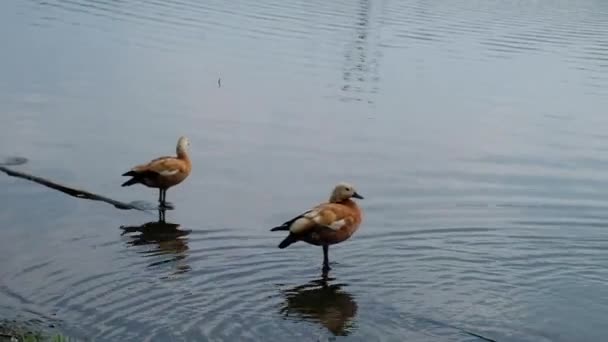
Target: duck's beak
point(356, 195)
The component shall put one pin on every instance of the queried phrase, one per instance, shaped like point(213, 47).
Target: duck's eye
point(347, 189)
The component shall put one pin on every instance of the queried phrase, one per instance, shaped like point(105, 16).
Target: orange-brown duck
point(326, 224)
point(164, 172)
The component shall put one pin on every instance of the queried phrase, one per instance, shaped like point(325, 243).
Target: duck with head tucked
point(164, 172)
point(326, 224)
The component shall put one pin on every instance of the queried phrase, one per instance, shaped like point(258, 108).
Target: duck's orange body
point(319, 234)
point(326, 224)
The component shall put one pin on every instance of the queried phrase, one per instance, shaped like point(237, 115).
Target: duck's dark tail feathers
point(286, 225)
point(282, 227)
point(131, 181)
point(291, 238)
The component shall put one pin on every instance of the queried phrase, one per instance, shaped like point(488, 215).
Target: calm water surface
point(476, 130)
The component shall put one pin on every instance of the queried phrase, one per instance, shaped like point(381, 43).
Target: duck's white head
point(342, 192)
point(182, 144)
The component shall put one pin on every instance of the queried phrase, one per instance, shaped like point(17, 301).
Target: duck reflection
point(166, 236)
point(322, 302)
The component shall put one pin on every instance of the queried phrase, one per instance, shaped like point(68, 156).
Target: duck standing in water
point(326, 224)
point(164, 172)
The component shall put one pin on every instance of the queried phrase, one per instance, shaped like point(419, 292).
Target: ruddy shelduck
point(164, 172)
point(326, 224)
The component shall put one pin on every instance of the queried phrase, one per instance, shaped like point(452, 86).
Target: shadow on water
point(321, 302)
point(167, 237)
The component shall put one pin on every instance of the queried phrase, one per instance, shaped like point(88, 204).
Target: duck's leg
point(163, 201)
point(162, 194)
point(161, 215)
point(167, 205)
point(326, 258)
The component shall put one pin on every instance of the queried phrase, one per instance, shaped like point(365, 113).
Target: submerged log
point(143, 206)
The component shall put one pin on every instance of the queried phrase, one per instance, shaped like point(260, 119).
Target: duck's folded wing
point(327, 216)
point(164, 166)
point(285, 225)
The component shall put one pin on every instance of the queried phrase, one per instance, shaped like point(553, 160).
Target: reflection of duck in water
point(167, 236)
point(323, 303)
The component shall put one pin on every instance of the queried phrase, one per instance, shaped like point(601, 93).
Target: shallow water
point(476, 130)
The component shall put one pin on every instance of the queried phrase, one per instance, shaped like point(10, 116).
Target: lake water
point(476, 130)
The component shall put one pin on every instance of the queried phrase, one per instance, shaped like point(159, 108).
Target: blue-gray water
point(476, 130)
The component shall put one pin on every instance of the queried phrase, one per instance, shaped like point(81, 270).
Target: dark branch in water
point(71, 191)
point(448, 325)
point(462, 330)
point(478, 336)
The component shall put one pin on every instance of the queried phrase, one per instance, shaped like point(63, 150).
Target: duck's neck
point(350, 203)
point(183, 155)
point(334, 199)
point(347, 202)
